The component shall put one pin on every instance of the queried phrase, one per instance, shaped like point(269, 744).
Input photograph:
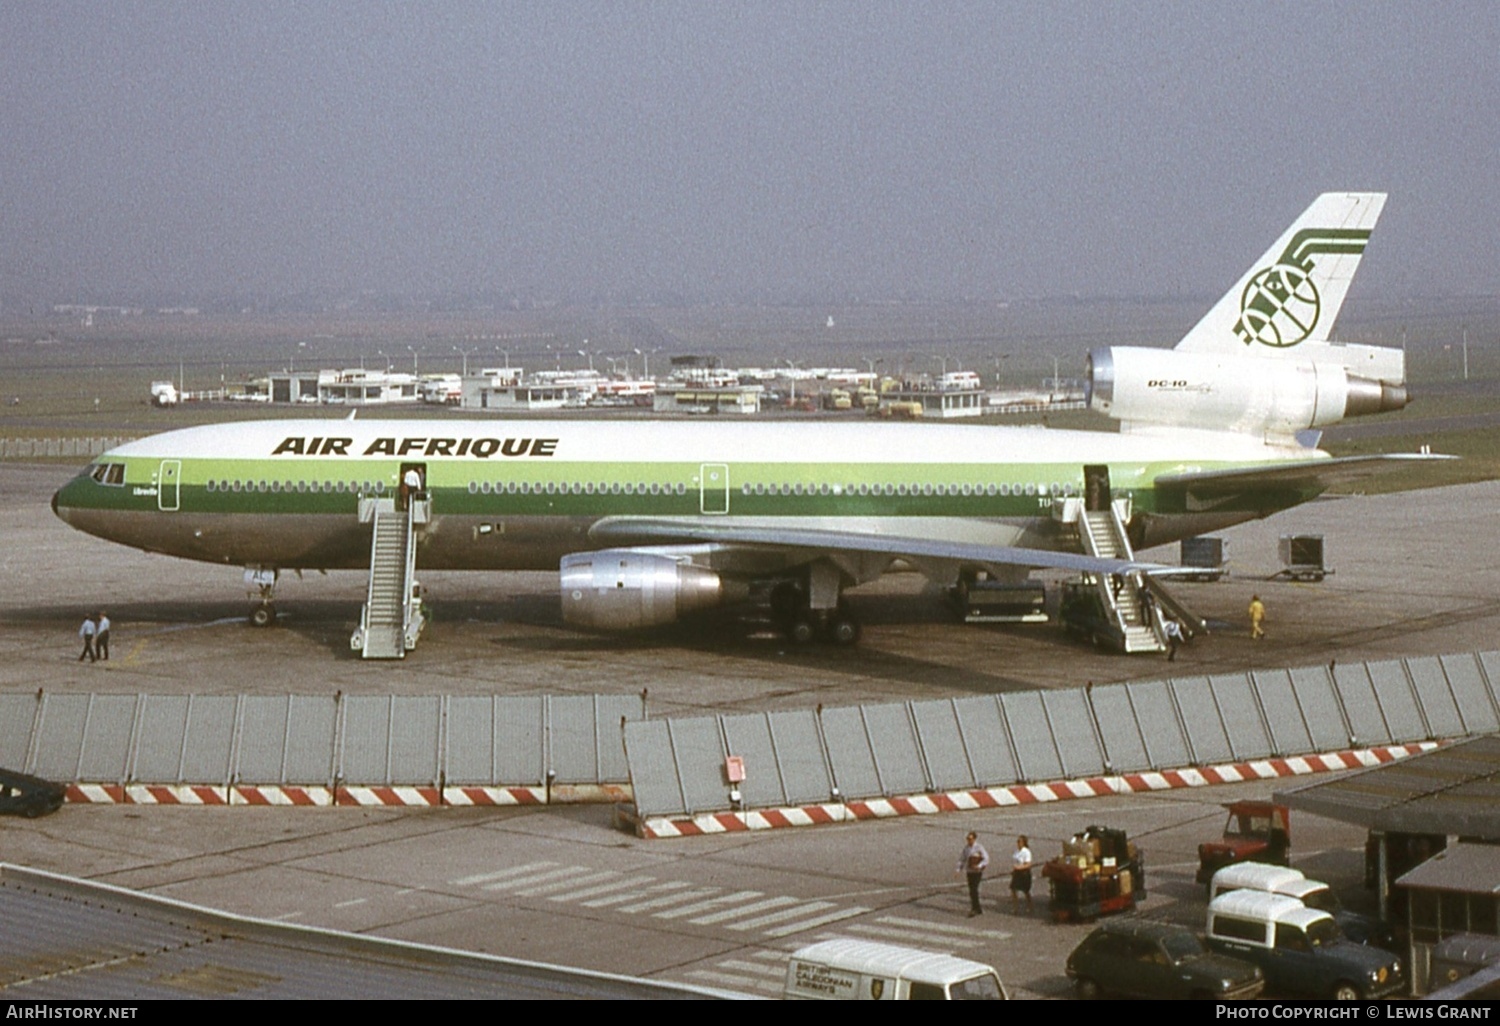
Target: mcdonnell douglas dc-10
point(651, 520)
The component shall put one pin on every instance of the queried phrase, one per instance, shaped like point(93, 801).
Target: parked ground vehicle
point(1299, 949)
point(1157, 960)
point(982, 600)
point(1258, 876)
point(1100, 872)
point(24, 795)
point(858, 970)
point(1257, 831)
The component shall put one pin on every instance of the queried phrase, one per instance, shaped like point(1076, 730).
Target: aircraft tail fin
point(1292, 294)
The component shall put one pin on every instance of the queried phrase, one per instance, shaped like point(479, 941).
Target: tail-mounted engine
point(621, 589)
point(1233, 393)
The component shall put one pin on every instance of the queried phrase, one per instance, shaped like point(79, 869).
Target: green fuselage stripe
point(535, 488)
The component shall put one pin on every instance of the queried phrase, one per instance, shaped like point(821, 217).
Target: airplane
point(648, 521)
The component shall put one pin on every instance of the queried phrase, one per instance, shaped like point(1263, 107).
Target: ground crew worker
point(86, 632)
point(1174, 638)
point(972, 862)
point(1257, 617)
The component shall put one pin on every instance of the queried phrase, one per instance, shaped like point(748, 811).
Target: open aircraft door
point(713, 488)
point(168, 492)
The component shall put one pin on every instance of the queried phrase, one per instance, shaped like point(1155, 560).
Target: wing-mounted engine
point(1249, 394)
point(623, 589)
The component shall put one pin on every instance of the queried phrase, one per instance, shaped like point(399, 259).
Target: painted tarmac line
point(499, 874)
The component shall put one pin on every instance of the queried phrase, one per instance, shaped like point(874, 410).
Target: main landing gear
point(261, 581)
point(795, 617)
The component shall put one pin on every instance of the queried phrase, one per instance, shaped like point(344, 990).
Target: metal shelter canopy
point(67, 939)
point(1452, 790)
point(1465, 868)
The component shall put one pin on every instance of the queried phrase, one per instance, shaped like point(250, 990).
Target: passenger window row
point(925, 488)
point(576, 488)
point(301, 487)
point(114, 474)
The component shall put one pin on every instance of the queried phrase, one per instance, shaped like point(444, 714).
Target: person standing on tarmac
point(1257, 617)
point(1174, 638)
point(101, 636)
point(86, 632)
point(972, 862)
point(1020, 873)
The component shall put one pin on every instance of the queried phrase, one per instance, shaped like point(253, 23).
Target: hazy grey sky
point(717, 150)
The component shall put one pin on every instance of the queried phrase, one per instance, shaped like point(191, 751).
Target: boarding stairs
point(1140, 624)
point(393, 616)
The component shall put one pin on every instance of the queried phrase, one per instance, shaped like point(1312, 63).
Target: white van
point(1290, 883)
point(1259, 876)
point(1300, 949)
point(856, 970)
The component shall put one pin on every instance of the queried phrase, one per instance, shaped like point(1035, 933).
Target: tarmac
point(1416, 573)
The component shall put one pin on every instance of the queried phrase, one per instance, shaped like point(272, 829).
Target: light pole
point(414, 351)
point(465, 354)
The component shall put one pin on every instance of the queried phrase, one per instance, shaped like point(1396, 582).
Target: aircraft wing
point(814, 541)
point(1201, 490)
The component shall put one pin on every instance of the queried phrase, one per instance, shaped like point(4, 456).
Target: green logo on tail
point(1281, 303)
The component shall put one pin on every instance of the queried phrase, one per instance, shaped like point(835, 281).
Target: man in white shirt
point(101, 636)
point(86, 632)
point(972, 862)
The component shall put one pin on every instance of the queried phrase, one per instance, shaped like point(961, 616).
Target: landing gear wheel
point(263, 615)
point(787, 601)
point(843, 631)
point(802, 631)
point(1088, 989)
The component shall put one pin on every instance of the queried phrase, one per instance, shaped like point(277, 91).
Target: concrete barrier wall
point(318, 741)
point(677, 767)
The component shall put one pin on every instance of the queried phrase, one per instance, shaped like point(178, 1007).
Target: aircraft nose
point(54, 503)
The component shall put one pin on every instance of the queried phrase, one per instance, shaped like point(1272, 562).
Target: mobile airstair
point(393, 616)
point(1136, 620)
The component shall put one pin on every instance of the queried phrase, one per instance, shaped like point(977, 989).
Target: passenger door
point(713, 488)
point(168, 489)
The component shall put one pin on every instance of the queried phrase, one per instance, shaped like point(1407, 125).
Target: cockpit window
point(109, 473)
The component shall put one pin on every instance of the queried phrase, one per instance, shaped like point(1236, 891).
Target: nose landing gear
point(261, 581)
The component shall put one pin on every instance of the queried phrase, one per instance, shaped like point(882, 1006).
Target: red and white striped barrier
point(1022, 794)
point(195, 794)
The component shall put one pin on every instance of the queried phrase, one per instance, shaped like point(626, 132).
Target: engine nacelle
point(622, 589)
point(1230, 393)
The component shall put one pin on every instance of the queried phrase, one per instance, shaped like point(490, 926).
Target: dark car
point(24, 795)
point(1157, 960)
